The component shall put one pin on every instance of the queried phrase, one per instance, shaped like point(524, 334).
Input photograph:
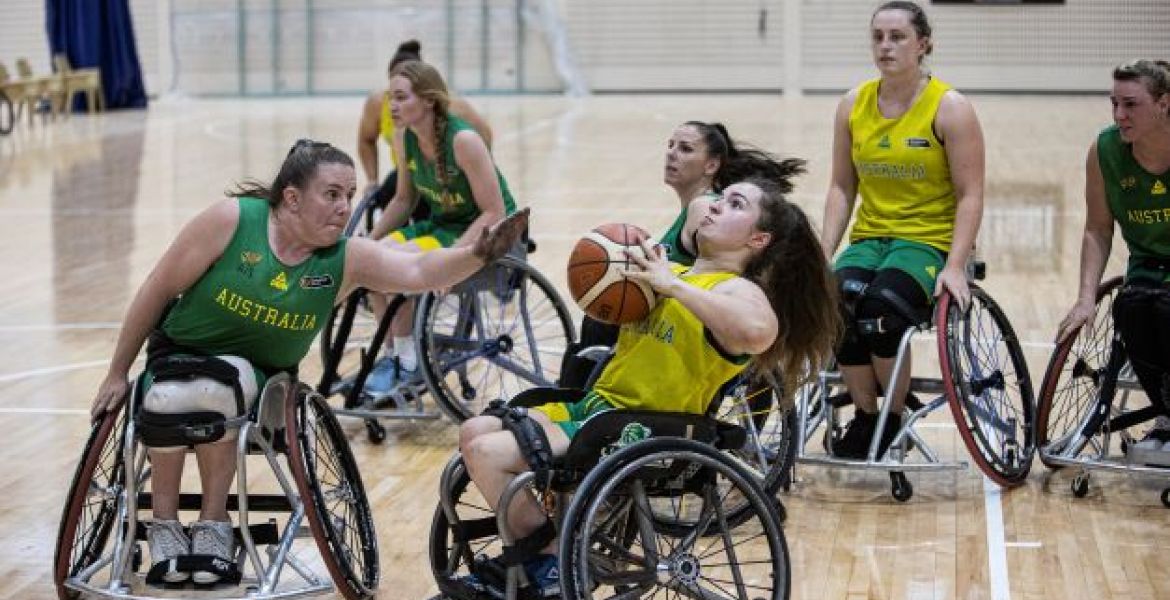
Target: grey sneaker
point(213, 538)
point(167, 540)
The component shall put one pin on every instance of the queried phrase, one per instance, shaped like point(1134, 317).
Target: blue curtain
point(99, 33)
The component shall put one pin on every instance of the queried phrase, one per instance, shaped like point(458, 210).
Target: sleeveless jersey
point(1139, 201)
point(386, 126)
point(903, 175)
point(672, 239)
point(249, 304)
point(452, 206)
point(668, 361)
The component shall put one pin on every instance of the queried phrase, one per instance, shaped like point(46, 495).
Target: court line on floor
point(53, 370)
point(63, 326)
point(996, 547)
point(45, 411)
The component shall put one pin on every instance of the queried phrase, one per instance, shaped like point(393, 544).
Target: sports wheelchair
point(1086, 414)
point(499, 332)
point(675, 511)
point(984, 379)
point(99, 544)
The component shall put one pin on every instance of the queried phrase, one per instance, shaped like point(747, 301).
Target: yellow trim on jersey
point(425, 243)
point(386, 125)
point(903, 175)
point(666, 362)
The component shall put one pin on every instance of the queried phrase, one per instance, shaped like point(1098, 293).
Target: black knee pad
point(1141, 314)
point(853, 349)
point(530, 436)
point(882, 326)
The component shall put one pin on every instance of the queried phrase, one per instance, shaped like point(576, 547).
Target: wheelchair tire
point(1071, 381)
point(451, 555)
point(604, 536)
point(334, 498)
point(987, 386)
point(91, 506)
point(501, 332)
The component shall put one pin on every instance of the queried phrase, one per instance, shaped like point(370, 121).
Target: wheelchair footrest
point(228, 571)
point(256, 502)
point(263, 534)
point(1151, 457)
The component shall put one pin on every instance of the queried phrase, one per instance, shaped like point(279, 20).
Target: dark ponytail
point(298, 168)
point(408, 50)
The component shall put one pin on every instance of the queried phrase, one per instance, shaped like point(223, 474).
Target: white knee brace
point(202, 394)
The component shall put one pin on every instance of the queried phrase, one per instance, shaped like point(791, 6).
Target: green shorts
point(427, 235)
point(920, 261)
point(571, 416)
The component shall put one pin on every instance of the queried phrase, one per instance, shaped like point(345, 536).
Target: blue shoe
point(411, 377)
point(545, 575)
point(383, 377)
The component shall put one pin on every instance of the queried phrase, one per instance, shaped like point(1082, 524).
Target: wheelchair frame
point(590, 486)
point(965, 385)
point(482, 342)
point(284, 404)
point(1088, 441)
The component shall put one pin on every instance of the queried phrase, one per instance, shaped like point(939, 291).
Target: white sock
point(404, 348)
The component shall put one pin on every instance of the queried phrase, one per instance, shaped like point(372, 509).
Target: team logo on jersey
point(412, 166)
point(1128, 183)
point(917, 143)
point(279, 282)
point(1159, 188)
point(248, 262)
point(313, 282)
point(884, 143)
point(932, 270)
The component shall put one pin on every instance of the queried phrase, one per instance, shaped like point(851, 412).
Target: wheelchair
point(320, 493)
point(1087, 416)
point(984, 380)
point(676, 511)
point(499, 332)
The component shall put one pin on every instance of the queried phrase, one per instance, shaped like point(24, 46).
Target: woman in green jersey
point(758, 296)
point(447, 165)
point(1127, 180)
point(912, 148)
point(255, 277)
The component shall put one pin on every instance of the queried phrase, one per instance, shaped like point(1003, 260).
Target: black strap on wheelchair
point(474, 529)
point(528, 547)
point(228, 571)
point(183, 429)
point(900, 306)
point(533, 441)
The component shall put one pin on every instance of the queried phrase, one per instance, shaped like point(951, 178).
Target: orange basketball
point(595, 278)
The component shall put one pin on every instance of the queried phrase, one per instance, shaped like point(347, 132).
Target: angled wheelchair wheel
point(1073, 380)
point(987, 386)
point(502, 331)
point(335, 500)
point(611, 547)
point(347, 335)
point(90, 516)
point(454, 543)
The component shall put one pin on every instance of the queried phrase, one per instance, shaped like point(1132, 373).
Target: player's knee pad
point(194, 400)
point(853, 349)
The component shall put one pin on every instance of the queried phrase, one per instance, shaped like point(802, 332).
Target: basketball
point(595, 278)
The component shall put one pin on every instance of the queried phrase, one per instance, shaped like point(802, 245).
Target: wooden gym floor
point(87, 204)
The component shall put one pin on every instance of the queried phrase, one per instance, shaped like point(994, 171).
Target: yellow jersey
point(669, 361)
point(386, 126)
point(903, 175)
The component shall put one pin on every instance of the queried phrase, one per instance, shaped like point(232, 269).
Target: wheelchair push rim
point(334, 497)
point(1072, 379)
point(985, 377)
point(609, 542)
point(91, 506)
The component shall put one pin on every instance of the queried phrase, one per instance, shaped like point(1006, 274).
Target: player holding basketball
point(1127, 174)
point(912, 148)
point(447, 165)
point(759, 295)
point(701, 160)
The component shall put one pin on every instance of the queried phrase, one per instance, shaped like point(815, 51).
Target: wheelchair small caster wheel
point(469, 393)
point(1166, 497)
point(375, 432)
point(136, 558)
point(900, 486)
point(1080, 485)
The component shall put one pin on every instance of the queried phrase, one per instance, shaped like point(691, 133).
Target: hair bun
point(410, 46)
